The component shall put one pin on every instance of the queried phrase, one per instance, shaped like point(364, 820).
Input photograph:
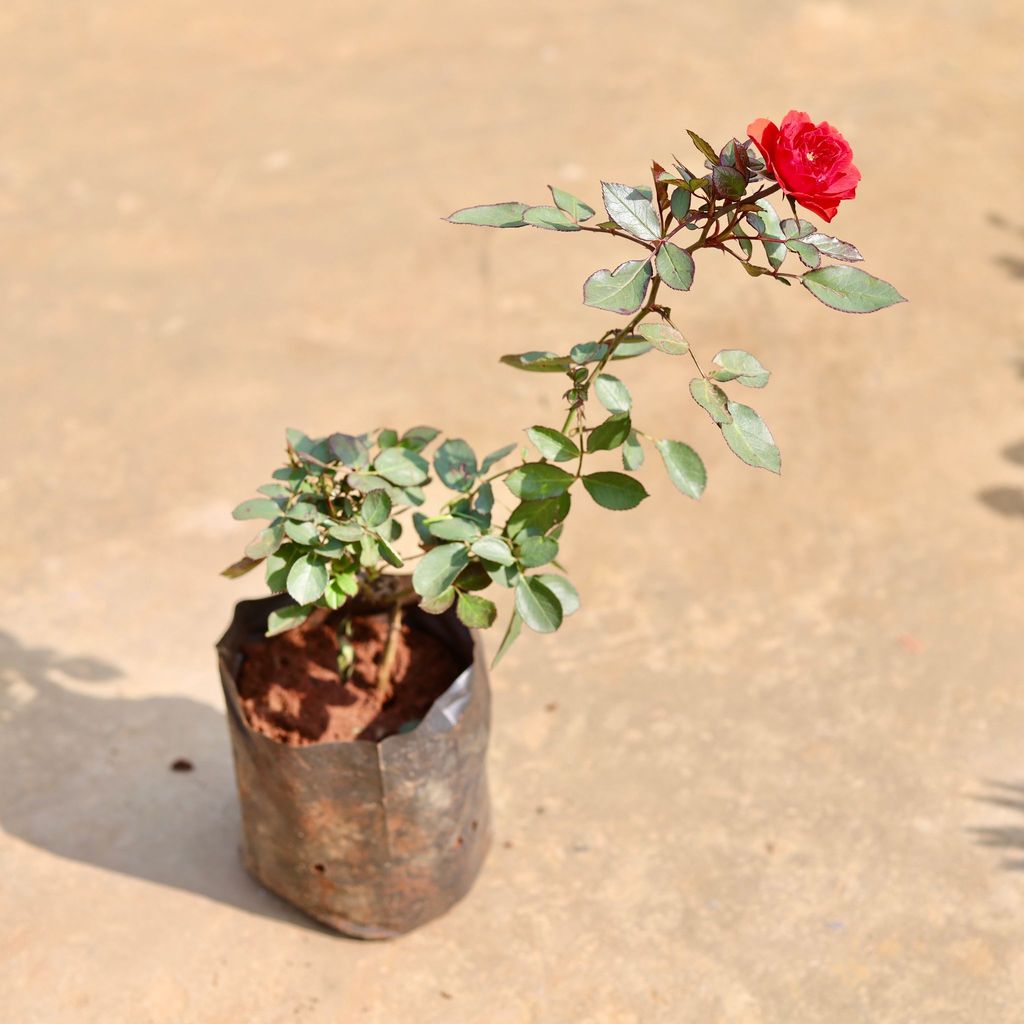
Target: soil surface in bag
point(291, 690)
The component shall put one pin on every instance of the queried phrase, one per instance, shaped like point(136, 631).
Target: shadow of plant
point(1013, 265)
point(1007, 500)
point(1010, 796)
point(87, 776)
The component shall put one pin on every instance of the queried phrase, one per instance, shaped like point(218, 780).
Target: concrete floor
point(784, 782)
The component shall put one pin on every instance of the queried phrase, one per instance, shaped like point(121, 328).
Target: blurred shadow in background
point(89, 778)
point(1010, 796)
point(1013, 265)
point(1007, 500)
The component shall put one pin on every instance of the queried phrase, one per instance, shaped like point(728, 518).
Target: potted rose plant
point(357, 691)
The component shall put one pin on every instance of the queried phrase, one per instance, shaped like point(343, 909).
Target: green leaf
point(302, 512)
point(376, 508)
point(684, 466)
point(307, 579)
point(768, 224)
point(664, 338)
point(493, 549)
point(455, 463)
point(331, 549)
point(576, 208)
point(503, 575)
point(829, 245)
point(278, 566)
point(484, 500)
point(274, 491)
point(711, 398)
point(345, 531)
point(476, 612)
point(419, 522)
point(607, 436)
point(387, 438)
point(566, 593)
point(754, 159)
point(389, 554)
point(809, 256)
point(301, 533)
point(675, 266)
point(538, 480)
point(352, 451)
point(612, 393)
point(515, 626)
point(241, 567)
point(340, 588)
point(257, 508)
point(631, 348)
point(348, 583)
point(267, 541)
point(369, 552)
point(390, 530)
point(298, 440)
point(850, 290)
point(493, 215)
point(631, 209)
point(549, 217)
point(454, 529)
point(705, 147)
point(632, 452)
point(495, 457)
point(794, 229)
point(406, 495)
point(728, 181)
point(438, 568)
point(680, 203)
point(537, 605)
point(366, 482)
point(417, 438)
point(614, 490)
point(538, 516)
point(537, 362)
point(749, 437)
point(473, 577)
point(587, 352)
point(535, 551)
point(593, 351)
point(441, 603)
point(553, 444)
point(621, 290)
point(735, 364)
point(402, 467)
point(283, 619)
point(744, 243)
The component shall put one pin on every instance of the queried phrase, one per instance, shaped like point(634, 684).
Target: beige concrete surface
point(784, 782)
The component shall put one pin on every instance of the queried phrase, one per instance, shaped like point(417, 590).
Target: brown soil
point(291, 690)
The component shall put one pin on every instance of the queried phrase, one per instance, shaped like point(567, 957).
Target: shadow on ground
point(1012, 264)
point(1007, 500)
point(87, 776)
point(1009, 796)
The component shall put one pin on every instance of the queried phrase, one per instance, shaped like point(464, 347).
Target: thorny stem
point(616, 233)
point(620, 334)
point(768, 271)
point(387, 661)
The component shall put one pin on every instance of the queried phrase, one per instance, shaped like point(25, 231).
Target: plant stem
point(620, 334)
point(618, 234)
point(387, 661)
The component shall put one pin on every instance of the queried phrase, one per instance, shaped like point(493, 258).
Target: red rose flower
point(812, 162)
